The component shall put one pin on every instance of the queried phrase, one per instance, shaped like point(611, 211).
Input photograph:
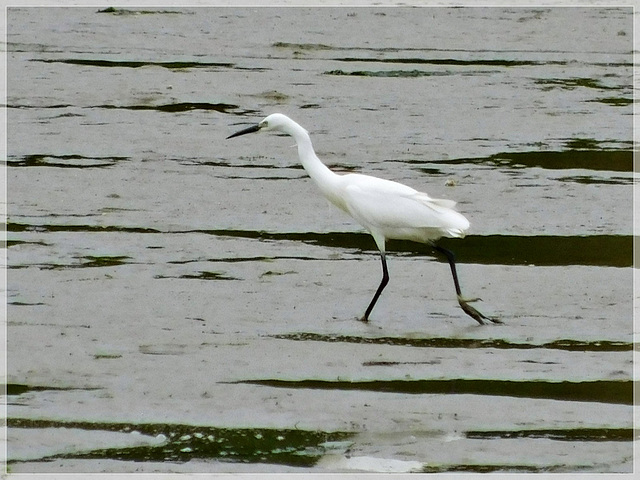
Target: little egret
point(386, 209)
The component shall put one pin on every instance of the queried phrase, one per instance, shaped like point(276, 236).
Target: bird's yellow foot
point(473, 313)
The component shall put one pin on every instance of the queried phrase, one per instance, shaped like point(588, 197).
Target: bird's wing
point(386, 187)
point(441, 202)
point(396, 209)
point(378, 185)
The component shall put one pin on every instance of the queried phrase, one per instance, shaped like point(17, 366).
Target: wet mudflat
point(182, 303)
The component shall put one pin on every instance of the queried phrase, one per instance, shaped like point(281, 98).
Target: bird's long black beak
point(251, 129)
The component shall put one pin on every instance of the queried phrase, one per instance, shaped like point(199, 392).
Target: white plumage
point(386, 209)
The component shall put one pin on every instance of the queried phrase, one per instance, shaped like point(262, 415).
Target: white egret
point(386, 209)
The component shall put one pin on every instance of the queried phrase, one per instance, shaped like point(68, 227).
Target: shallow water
point(169, 289)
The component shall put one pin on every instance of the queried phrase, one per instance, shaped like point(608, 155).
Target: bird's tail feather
point(439, 202)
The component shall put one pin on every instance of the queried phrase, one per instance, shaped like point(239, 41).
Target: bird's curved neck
point(318, 171)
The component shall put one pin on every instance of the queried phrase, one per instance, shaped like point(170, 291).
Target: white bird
point(386, 209)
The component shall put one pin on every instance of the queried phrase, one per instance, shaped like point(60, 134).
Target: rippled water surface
point(179, 302)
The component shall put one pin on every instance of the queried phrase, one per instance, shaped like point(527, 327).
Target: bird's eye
point(264, 124)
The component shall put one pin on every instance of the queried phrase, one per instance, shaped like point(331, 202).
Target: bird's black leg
point(383, 283)
point(464, 303)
